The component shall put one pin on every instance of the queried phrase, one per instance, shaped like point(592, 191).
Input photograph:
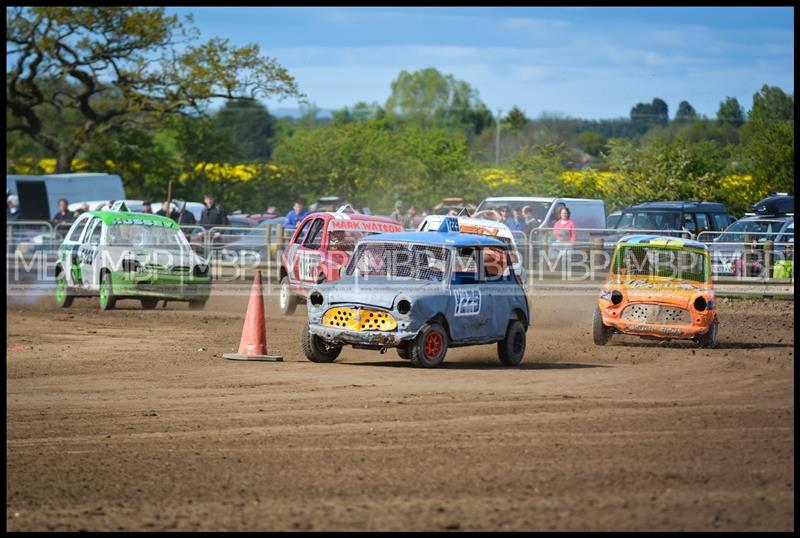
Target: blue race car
point(421, 292)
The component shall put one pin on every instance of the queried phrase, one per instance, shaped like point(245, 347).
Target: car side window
point(702, 222)
point(625, 221)
point(465, 266)
point(495, 265)
point(689, 223)
point(75, 236)
point(721, 221)
point(314, 238)
point(95, 233)
point(303, 231)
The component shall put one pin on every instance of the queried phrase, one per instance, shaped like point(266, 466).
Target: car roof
point(451, 239)
point(643, 239)
point(778, 218)
point(109, 217)
point(537, 199)
point(352, 216)
point(489, 223)
point(709, 206)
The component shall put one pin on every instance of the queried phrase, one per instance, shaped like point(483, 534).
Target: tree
point(767, 148)
point(647, 114)
point(686, 112)
point(730, 112)
point(673, 170)
point(772, 104)
point(251, 127)
point(77, 74)
point(592, 143)
point(369, 164)
point(516, 120)
point(431, 99)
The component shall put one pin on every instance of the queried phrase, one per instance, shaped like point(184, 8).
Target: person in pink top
point(564, 227)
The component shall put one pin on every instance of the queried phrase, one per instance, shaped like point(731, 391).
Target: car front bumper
point(174, 287)
point(334, 335)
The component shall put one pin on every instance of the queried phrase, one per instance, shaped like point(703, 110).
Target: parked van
point(39, 195)
point(584, 212)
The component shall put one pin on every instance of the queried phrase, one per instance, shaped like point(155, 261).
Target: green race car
point(119, 254)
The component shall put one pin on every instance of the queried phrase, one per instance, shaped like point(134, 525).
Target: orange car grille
point(654, 313)
point(359, 319)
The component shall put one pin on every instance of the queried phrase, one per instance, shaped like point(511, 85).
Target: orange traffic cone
point(253, 346)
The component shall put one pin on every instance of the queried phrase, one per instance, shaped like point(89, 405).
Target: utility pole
point(497, 139)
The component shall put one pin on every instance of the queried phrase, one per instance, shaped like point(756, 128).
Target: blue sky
point(580, 62)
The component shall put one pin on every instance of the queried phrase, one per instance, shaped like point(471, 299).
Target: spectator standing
point(64, 214)
point(13, 212)
point(516, 223)
point(530, 220)
point(399, 214)
point(564, 227)
point(81, 210)
point(413, 218)
point(147, 208)
point(295, 215)
point(213, 213)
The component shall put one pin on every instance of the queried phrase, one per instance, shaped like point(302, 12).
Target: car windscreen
point(649, 220)
point(653, 261)
point(538, 209)
point(400, 260)
point(138, 235)
point(758, 230)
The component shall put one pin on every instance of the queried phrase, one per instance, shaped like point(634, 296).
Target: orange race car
point(658, 287)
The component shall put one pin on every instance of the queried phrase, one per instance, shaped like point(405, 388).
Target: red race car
point(320, 249)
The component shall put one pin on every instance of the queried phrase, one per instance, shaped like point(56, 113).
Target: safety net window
point(651, 261)
point(400, 261)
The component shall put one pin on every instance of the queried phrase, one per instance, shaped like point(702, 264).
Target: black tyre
point(107, 299)
point(428, 349)
point(149, 303)
point(63, 297)
point(600, 332)
point(316, 349)
point(511, 349)
point(402, 352)
point(711, 338)
point(287, 301)
point(197, 304)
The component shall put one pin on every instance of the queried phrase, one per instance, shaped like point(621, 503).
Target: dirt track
point(118, 421)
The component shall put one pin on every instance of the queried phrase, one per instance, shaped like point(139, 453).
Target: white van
point(39, 195)
point(585, 212)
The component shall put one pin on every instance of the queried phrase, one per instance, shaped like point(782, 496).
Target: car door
point(500, 291)
point(88, 255)
point(68, 252)
point(308, 254)
point(468, 308)
point(294, 247)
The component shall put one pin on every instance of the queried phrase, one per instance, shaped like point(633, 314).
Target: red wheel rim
point(433, 345)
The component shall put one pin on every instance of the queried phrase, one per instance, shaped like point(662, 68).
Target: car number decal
point(467, 301)
point(307, 266)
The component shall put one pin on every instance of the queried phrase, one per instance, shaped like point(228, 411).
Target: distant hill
point(322, 113)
